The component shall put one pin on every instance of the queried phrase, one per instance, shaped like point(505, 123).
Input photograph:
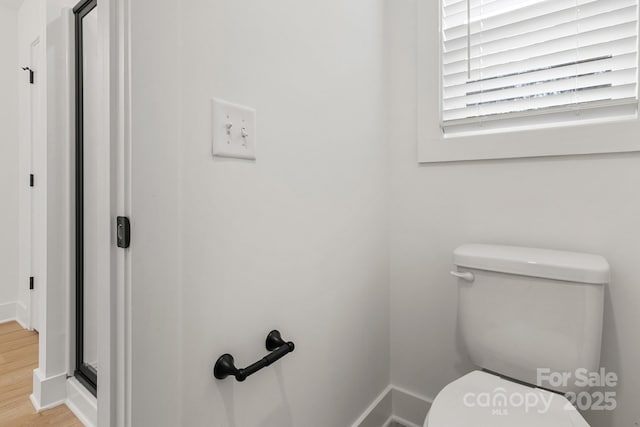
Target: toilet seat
point(480, 399)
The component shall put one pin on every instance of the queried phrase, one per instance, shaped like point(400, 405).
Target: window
point(536, 63)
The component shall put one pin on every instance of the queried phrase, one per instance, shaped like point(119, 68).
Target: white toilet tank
point(524, 309)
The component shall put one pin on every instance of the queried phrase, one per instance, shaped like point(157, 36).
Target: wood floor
point(18, 359)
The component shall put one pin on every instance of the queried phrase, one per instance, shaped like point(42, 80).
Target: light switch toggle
point(233, 130)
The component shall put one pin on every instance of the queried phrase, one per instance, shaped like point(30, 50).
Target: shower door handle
point(468, 276)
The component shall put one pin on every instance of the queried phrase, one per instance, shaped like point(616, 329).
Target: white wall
point(295, 241)
point(588, 204)
point(9, 75)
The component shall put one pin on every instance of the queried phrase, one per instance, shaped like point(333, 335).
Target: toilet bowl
point(521, 310)
point(480, 399)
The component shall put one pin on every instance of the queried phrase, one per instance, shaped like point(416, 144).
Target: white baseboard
point(401, 421)
point(7, 312)
point(82, 403)
point(48, 392)
point(395, 404)
point(60, 390)
point(22, 316)
point(378, 411)
point(411, 408)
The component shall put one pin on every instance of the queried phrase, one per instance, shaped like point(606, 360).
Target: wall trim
point(14, 312)
point(82, 403)
point(22, 314)
point(48, 392)
point(399, 404)
point(7, 312)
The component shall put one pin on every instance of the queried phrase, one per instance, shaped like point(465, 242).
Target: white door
point(37, 200)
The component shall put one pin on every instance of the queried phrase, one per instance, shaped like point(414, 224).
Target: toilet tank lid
point(545, 263)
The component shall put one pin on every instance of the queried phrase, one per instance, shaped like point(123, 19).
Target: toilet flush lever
point(464, 276)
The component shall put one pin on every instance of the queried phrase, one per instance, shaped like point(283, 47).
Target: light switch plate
point(234, 130)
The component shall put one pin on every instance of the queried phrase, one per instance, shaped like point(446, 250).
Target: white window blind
point(555, 60)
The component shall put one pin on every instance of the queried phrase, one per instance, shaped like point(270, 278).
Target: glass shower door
point(92, 198)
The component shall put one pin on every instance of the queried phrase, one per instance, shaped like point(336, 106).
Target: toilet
point(521, 310)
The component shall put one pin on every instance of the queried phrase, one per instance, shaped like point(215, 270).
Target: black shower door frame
point(84, 373)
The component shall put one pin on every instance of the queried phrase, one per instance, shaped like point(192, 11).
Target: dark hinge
point(31, 283)
point(32, 180)
point(31, 74)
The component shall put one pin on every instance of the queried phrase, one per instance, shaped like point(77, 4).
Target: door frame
point(114, 312)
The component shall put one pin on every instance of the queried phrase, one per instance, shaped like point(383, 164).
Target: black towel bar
point(275, 344)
